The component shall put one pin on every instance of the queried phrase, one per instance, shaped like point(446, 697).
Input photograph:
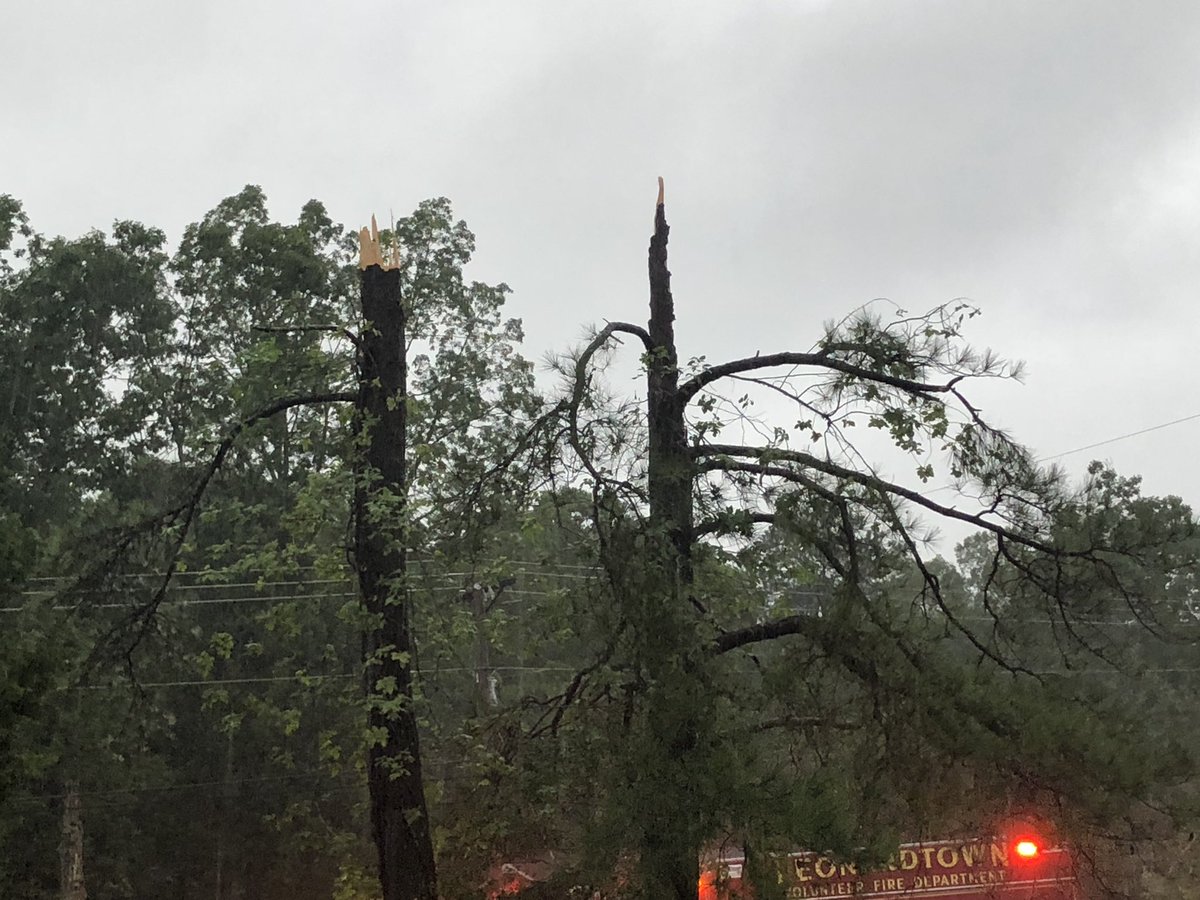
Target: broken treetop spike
point(370, 250)
point(661, 190)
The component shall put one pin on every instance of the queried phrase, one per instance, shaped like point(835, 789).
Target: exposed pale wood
point(370, 249)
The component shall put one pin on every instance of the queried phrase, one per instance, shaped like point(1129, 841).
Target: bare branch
point(820, 359)
point(874, 482)
point(182, 516)
point(519, 446)
point(713, 526)
point(636, 330)
point(934, 586)
point(579, 385)
point(563, 701)
point(764, 631)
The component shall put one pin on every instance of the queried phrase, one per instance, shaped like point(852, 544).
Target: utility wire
point(270, 679)
point(204, 682)
point(528, 566)
point(1121, 437)
point(351, 782)
point(114, 792)
point(208, 601)
point(1103, 443)
point(212, 682)
point(509, 594)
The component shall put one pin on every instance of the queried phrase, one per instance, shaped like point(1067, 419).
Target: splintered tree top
point(370, 249)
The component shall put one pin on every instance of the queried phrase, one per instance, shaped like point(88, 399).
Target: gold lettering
point(971, 852)
point(847, 869)
point(908, 860)
point(802, 872)
point(947, 857)
point(927, 852)
point(824, 868)
point(999, 854)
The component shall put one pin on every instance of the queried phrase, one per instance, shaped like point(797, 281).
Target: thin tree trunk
point(486, 700)
point(399, 817)
point(224, 810)
point(71, 881)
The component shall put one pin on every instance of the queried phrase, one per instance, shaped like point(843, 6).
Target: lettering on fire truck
point(949, 870)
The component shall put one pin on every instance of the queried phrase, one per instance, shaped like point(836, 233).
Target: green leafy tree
point(256, 733)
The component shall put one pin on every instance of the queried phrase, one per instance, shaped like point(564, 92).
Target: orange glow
point(707, 886)
point(1026, 848)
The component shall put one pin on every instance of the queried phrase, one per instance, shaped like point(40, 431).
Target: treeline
point(634, 638)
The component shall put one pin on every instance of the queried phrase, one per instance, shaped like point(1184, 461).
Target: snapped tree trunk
point(675, 701)
point(671, 469)
point(399, 817)
point(71, 881)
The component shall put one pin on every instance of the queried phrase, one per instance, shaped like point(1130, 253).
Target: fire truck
point(986, 869)
point(999, 868)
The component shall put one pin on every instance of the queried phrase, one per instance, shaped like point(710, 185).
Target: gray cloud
point(1039, 158)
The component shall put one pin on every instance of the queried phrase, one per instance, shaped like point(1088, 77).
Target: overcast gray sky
point(1041, 158)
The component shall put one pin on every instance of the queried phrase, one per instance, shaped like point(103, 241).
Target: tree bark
point(486, 700)
point(671, 852)
point(671, 466)
point(71, 881)
point(399, 816)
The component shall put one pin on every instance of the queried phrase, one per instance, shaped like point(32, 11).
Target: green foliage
point(126, 366)
point(564, 670)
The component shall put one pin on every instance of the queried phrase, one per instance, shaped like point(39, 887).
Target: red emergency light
point(1026, 848)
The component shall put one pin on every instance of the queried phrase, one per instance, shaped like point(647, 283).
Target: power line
point(551, 571)
point(349, 782)
point(528, 566)
point(214, 586)
point(204, 682)
point(1105, 442)
point(1129, 674)
point(1075, 623)
point(67, 607)
point(287, 598)
point(1121, 437)
point(300, 678)
point(115, 792)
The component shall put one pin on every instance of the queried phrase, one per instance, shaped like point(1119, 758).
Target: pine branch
point(822, 359)
point(880, 485)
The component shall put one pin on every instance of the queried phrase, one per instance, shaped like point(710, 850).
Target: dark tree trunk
point(671, 852)
point(670, 465)
point(399, 818)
